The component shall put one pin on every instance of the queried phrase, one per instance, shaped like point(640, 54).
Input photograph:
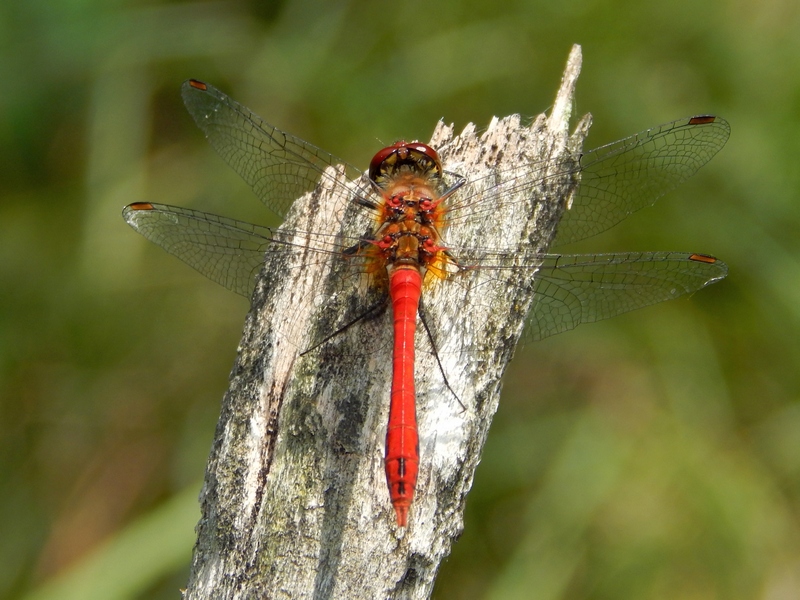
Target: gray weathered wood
point(295, 503)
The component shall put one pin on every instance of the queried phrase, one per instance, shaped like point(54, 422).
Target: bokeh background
point(654, 456)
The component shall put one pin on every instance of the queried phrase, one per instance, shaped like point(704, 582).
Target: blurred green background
point(655, 456)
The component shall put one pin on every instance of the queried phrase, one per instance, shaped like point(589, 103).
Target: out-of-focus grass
point(147, 550)
point(654, 456)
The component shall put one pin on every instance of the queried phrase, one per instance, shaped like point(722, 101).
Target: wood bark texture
point(295, 503)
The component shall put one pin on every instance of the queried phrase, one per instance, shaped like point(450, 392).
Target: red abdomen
point(402, 441)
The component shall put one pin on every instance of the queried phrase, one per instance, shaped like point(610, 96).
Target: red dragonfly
point(407, 201)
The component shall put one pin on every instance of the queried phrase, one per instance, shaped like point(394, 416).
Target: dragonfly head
point(414, 157)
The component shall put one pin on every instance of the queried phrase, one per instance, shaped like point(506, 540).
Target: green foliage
point(655, 456)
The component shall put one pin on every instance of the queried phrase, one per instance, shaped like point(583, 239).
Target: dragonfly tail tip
point(402, 514)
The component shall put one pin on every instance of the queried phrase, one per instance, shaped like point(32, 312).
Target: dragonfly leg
point(372, 312)
point(423, 319)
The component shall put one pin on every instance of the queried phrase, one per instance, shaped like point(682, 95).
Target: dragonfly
point(405, 206)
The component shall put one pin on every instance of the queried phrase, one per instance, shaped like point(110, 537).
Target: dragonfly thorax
point(408, 243)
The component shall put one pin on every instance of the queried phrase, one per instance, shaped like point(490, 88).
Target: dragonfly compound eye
point(413, 156)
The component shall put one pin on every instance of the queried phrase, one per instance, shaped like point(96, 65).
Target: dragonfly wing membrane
point(622, 177)
point(571, 289)
point(226, 251)
point(278, 166)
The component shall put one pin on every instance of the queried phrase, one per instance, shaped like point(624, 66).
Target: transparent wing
point(278, 166)
point(622, 177)
point(571, 289)
point(232, 253)
point(226, 251)
point(616, 180)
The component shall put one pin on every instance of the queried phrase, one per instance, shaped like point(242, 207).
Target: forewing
point(622, 177)
point(616, 180)
point(278, 166)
